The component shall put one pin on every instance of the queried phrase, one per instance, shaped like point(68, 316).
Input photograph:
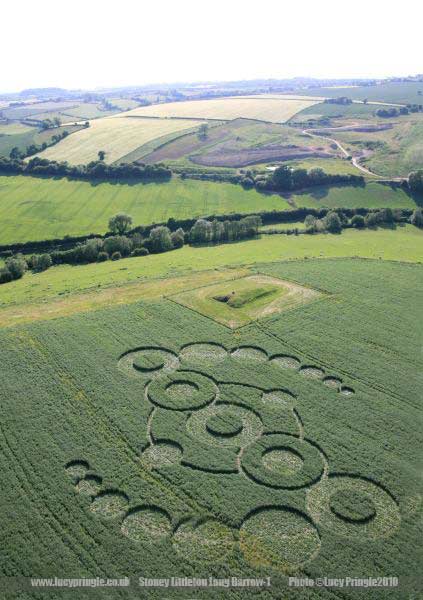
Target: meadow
point(36, 208)
point(403, 244)
point(405, 92)
point(393, 152)
point(112, 466)
point(263, 109)
point(116, 136)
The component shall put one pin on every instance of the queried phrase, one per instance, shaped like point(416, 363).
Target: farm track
point(354, 160)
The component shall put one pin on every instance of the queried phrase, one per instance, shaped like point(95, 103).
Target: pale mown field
point(274, 110)
point(116, 136)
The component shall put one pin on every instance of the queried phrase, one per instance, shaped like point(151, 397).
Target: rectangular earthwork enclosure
point(238, 302)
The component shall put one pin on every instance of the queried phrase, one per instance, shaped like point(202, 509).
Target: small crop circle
point(147, 525)
point(332, 382)
point(183, 390)
point(278, 537)
point(89, 486)
point(312, 372)
point(203, 354)
point(161, 454)
point(110, 504)
point(77, 469)
point(278, 399)
point(250, 353)
point(207, 541)
point(283, 461)
point(285, 361)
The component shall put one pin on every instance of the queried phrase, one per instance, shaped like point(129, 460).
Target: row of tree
point(32, 149)
point(93, 170)
point(286, 178)
point(205, 232)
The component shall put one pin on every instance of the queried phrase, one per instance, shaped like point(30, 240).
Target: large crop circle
point(225, 424)
point(278, 537)
point(183, 390)
point(283, 461)
point(353, 507)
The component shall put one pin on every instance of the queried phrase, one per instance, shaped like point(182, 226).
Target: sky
point(91, 43)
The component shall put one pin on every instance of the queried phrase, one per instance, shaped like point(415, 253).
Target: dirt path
point(354, 159)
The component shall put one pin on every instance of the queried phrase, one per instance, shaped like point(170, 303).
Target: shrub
point(333, 223)
point(102, 257)
point(117, 243)
point(358, 222)
point(417, 218)
point(5, 276)
point(116, 256)
point(139, 252)
point(160, 240)
point(178, 238)
point(16, 267)
point(371, 220)
point(44, 262)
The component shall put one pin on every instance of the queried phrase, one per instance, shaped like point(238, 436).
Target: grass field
point(392, 152)
point(322, 110)
point(116, 136)
point(36, 209)
point(262, 109)
point(105, 471)
point(402, 92)
point(28, 136)
point(403, 244)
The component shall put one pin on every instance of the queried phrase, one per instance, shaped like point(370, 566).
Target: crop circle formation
point(183, 390)
point(278, 537)
point(333, 505)
point(207, 425)
point(283, 461)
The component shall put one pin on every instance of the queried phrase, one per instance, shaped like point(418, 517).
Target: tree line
point(93, 170)
point(286, 178)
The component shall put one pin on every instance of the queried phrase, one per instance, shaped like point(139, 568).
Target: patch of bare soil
point(187, 144)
